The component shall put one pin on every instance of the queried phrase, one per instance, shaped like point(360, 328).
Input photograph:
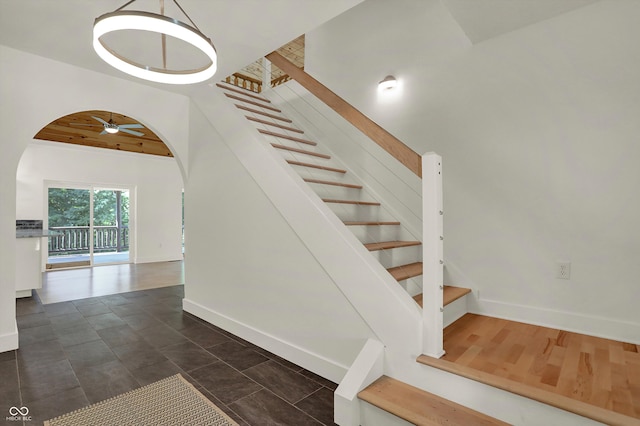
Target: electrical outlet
point(563, 270)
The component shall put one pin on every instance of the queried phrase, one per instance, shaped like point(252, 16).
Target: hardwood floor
point(600, 372)
point(73, 284)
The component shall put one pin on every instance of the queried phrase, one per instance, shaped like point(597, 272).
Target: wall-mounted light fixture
point(389, 82)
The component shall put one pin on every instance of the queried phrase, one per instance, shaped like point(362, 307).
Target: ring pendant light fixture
point(119, 20)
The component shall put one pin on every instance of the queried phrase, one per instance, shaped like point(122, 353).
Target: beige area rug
point(168, 402)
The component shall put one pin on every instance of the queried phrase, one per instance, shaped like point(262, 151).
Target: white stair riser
point(355, 212)
point(335, 192)
point(375, 234)
point(398, 256)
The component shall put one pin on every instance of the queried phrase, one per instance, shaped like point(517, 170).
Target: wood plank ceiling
point(293, 51)
point(81, 128)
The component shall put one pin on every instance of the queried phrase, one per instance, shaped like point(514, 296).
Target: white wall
point(35, 91)
point(155, 181)
point(247, 270)
point(538, 132)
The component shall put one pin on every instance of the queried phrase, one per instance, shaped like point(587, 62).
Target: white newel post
point(432, 254)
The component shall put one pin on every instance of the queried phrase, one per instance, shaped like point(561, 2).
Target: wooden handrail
point(388, 142)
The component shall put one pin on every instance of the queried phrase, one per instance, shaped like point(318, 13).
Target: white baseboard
point(569, 321)
point(9, 341)
point(158, 259)
point(315, 363)
point(24, 293)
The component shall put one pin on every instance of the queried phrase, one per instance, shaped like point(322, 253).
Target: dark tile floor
point(76, 353)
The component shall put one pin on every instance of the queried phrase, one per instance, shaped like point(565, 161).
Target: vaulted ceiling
point(242, 31)
point(82, 128)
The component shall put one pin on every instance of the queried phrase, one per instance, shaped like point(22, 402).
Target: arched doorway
point(120, 193)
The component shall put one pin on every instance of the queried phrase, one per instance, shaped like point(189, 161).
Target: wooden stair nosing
point(386, 245)
point(418, 299)
point(421, 407)
point(452, 293)
point(271, 123)
point(449, 295)
point(249, 101)
point(327, 182)
point(283, 136)
point(356, 202)
point(275, 117)
point(245, 92)
point(300, 151)
point(404, 272)
point(315, 166)
point(368, 223)
point(541, 395)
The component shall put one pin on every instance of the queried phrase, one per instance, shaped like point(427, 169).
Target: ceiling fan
point(111, 127)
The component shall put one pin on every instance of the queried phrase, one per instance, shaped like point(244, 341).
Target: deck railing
point(77, 239)
point(245, 82)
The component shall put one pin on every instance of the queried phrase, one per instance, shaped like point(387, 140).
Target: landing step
point(420, 407)
point(356, 202)
point(449, 294)
point(369, 223)
point(300, 151)
point(404, 272)
point(328, 182)
point(271, 123)
point(550, 398)
point(282, 136)
point(255, 111)
point(248, 101)
point(386, 245)
point(315, 166)
point(243, 92)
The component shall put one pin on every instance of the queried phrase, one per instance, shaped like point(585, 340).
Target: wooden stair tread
point(371, 223)
point(243, 92)
point(300, 151)
point(546, 397)
point(249, 101)
point(449, 294)
point(418, 299)
point(407, 271)
point(283, 136)
point(421, 407)
point(275, 117)
point(271, 123)
point(386, 245)
point(360, 203)
point(315, 166)
point(328, 182)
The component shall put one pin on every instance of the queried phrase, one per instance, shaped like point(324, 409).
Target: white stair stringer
point(347, 212)
point(357, 274)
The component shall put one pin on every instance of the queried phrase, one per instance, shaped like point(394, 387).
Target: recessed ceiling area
point(81, 128)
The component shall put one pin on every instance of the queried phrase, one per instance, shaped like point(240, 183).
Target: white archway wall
point(34, 91)
point(155, 182)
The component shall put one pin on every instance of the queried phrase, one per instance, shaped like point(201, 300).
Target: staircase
point(384, 237)
point(418, 407)
point(386, 400)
